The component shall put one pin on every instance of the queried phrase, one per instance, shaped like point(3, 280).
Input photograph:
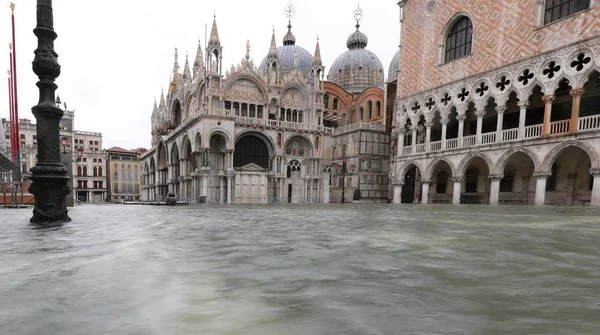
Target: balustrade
point(533, 131)
point(421, 147)
point(488, 138)
point(452, 143)
point(469, 140)
point(589, 122)
point(435, 146)
point(510, 134)
point(559, 127)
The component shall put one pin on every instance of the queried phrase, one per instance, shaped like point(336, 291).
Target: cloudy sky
point(117, 54)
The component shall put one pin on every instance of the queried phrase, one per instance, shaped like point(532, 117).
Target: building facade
point(498, 101)
point(124, 174)
point(269, 133)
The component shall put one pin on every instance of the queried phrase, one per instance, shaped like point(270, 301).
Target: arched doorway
point(517, 185)
point(251, 162)
point(411, 189)
point(162, 172)
point(218, 165)
point(475, 186)
point(177, 117)
point(440, 173)
point(569, 181)
point(176, 187)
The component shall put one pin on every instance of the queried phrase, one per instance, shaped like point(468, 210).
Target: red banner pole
point(14, 79)
point(12, 110)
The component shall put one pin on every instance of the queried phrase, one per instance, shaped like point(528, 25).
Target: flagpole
point(11, 118)
point(15, 95)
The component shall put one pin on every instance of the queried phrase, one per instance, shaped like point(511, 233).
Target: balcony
point(360, 126)
point(557, 128)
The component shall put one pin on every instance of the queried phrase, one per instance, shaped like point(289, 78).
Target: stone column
point(495, 188)
point(229, 193)
point(461, 128)
point(414, 139)
point(571, 188)
point(397, 192)
point(230, 152)
point(444, 130)
point(574, 123)
point(428, 126)
point(205, 173)
point(540, 188)
point(400, 144)
point(222, 189)
point(500, 111)
point(325, 182)
point(522, 117)
point(425, 192)
point(480, 115)
point(548, 100)
point(456, 190)
point(595, 172)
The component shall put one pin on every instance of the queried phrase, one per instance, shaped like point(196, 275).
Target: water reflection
point(314, 269)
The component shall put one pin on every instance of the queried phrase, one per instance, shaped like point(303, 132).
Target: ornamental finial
point(289, 11)
point(12, 6)
point(358, 15)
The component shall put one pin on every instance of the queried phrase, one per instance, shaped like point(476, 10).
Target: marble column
point(461, 129)
point(540, 188)
point(414, 139)
point(500, 111)
point(229, 193)
point(548, 100)
point(495, 188)
point(595, 172)
point(428, 126)
point(479, 115)
point(444, 131)
point(205, 183)
point(400, 144)
point(221, 189)
point(325, 188)
point(397, 193)
point(425, 191)
point(574, 123)
point(456, 190)
point(522, 117)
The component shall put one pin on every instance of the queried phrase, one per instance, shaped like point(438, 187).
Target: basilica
point(274, 131)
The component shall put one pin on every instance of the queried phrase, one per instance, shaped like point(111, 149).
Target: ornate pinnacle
point(358, 15)
point(289, 11)
point(12, 6)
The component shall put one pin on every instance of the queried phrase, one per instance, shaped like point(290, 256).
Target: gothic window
point(259, 112)
point(360, 113)
point(378, 107)
point(506, 184)
point(300, 116)
point(85, 171)
point(252, 110)
point(471, 178)
point(370, 109)
point(326, 101)
point(244, 110)
point(335, 103)
point(95, 171)
point(100, 171)
point(442, 182)
point(551, 181)
point(228, 105)
point(236, 108)
point(459, 39)
point(558, 9)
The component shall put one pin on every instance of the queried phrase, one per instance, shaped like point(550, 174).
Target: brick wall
point(504, 32)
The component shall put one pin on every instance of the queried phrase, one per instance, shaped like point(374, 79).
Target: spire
point(290, 12)
point(175, 65)
point(273, 47)
point(199, 62)
point(317, 57)
point(247, 50)
point(162, 99)
point(155, 109)
point(186, 69)
point(214, 34)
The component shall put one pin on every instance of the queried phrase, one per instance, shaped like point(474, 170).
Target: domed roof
point(394, 68)
point(358, 68)
point(287, 56)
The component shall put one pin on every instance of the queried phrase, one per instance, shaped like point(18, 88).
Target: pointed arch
point(465, 162)
point(501, 164)
point(404, 168)
point(433, 164)
point(553, 155)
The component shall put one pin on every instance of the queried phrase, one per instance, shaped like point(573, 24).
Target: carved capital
point(444, 121)
point(496, 177)
point(414, 128)
point(428, 124)
point(461, 118)
point(398, 182)
point(542, 175)
point(577, 91)
point(480, 114)
point(548, 98)
point(595, 172)
point(523, 104)
point(425, 181)
point(457, 179)
point(501, 109)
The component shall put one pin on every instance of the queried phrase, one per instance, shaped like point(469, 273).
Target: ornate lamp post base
point(49, 176)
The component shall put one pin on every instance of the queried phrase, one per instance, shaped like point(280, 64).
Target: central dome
point(358, 68)
point(286, 55)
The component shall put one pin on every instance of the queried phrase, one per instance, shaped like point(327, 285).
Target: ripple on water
point(307, 269)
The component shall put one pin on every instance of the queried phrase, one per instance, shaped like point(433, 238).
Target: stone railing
point(282, 124)
point(360, 126)
point(530, 132)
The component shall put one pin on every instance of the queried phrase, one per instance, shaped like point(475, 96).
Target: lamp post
point(49, 176)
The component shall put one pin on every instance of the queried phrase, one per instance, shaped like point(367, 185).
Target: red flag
point(14, 82)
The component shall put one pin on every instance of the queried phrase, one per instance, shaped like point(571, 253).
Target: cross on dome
point(358, 15)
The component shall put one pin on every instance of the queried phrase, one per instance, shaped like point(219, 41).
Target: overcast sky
point(117, 54)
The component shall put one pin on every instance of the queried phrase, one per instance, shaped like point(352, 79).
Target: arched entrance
point(251, 162)
point(411, 189)
point(218, 164)
point(440, 173)
point(569, 180)
point(475, 187)
point(517, 185)
point(176, 167)
point(162, 173)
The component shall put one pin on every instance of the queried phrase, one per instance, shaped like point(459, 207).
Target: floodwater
point(304, 269)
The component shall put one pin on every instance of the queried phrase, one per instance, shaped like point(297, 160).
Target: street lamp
point(49, 176)
point(65, 142)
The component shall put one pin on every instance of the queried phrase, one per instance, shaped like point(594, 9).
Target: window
point(335, 103)
point(378, 107)
point(360, 113)
point(128, 166)
point(506, 184)
point(79, 170)
point(116, 188)
point(370, 109)
point(85, 171)
point(91, 142)
point(99, 160)
point(116, 175)
point(95, 160)
point(558, 9)
point(459, 39)
point(116, 166)
point(22, 136)
point(100, 171)
point(123, 166)
point(326, 101)
point(95, 142)
point(95, 171)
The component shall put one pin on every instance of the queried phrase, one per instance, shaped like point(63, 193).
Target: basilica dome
point(358, 68)
point(394, 68)
point(287, 56)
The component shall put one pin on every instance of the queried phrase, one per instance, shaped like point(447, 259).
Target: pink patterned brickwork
point(504, 32)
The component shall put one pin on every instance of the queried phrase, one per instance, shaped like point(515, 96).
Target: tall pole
point(49, 176)
point(15, 96)
point(12, 116)
point(343, 180)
